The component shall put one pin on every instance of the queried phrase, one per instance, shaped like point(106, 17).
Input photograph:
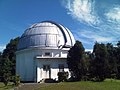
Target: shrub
point(16, 80)
point(6, 78)
point(62, 76)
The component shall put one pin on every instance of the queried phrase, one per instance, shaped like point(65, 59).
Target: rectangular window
point(61, 67)
point(46, 67)
point(47, 53)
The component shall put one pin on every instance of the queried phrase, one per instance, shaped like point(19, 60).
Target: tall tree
point(112, 59)
point(8, 56)
point(100, 62)
point(6, 70)
point(74, 60)
point(118, 59)
point(85, 62)
point(0, 65)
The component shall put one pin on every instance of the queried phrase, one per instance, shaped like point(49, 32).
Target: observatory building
point(42, 51)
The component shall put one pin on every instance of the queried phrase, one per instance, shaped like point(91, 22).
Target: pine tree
point(9, 52)
point(7, 60)
point(100, 63)
point(74, 60)
point(112, 59)
point(6, 70)
point(118, 59)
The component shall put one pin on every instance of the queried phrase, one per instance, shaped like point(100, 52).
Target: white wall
point(30, 69)
point(24, 65)
point(41, 74)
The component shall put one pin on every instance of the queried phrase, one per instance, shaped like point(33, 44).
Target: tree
point(74, 60)
point(9, 53)
point(112, 59)
point(118, 59)
point(7, 60)
point(0, 65)
point(86, 65)
point(6, 70)
point(99, 67)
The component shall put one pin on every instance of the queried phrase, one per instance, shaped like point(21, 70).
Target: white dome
point(46, 34)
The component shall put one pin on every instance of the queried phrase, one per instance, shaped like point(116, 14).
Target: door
point(46, 71)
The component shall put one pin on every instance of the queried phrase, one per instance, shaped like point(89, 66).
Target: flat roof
point(47, 57)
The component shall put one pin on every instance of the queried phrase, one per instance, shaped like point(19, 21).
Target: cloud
point(82, 10)
point(95, 37)
point(113, 14)
point(2, 47)
point(103, 39)
point(101, 23)
point(89, 50)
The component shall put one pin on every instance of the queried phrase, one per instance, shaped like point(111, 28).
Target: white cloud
point(102, 39)
point(106, 19)
point(89, 50)
point(95, 37)
point(2, 47)
point(82, 10)
point(113, 14)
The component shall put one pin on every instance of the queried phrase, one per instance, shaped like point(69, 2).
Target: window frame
point(61, 67)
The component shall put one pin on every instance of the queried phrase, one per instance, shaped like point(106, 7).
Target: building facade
point(42, 51)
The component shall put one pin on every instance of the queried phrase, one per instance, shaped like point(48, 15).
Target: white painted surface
point(30, 68)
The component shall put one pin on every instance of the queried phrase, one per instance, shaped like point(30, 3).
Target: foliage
point(103, 63)
point(16, 80)
point(6, 71)
point(117, 54)
point(9, 86)
point(74, 58)
point(6, 79)
point(9, 53)
point(0, 66)
point(7, 61)
point(85, 66)
point(99, 67)
point(112, 60)
point(62, 76)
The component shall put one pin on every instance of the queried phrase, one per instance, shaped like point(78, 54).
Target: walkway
point(32, 86)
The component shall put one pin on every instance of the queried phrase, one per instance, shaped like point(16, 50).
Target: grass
point(106, 85)
point(82, 85)
point(8, 87)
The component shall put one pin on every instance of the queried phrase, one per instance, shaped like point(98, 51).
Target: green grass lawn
point(82, 85)
point(106, 85)
point(8, 87)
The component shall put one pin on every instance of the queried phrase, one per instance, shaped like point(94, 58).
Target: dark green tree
point(0, 65)
point(7, 62)
point(6, 70)
point(118, 59)
point(74, 60)
point(9, 52)
point(99, 65)
point(112, 59)
point(86, 65)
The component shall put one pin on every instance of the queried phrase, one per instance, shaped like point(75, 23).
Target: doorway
point(46, 71)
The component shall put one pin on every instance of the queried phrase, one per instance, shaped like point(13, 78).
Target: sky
point(88, 20)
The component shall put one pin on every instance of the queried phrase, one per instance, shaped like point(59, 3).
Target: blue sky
point(88, 20)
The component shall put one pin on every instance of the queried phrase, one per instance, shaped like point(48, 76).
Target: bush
point(16, 80)
point(6, 78)
point(98, 79)
point(62, 76)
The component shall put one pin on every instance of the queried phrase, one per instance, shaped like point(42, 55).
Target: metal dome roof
point(46, 34)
